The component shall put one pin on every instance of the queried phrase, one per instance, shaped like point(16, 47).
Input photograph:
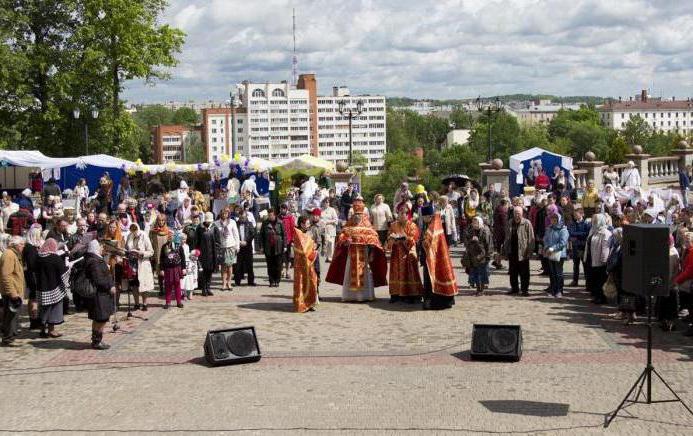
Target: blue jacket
point(684, 181)
point(578, 234)
point(556, 238)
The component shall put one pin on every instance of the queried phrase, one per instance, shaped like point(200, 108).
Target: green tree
point(359, 161)
point(636, 131)
point(505, 131)
point(461, 119)
point(193, 148)
point(398, 167)
point(185, 116)
point(129, 42)
point(618, 149)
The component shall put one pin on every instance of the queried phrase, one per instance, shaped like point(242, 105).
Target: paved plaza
point(372, 368)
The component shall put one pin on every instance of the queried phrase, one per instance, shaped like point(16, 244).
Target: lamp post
point(232, 104)
point(351, 113)
point(94, 114)
point(489, 108)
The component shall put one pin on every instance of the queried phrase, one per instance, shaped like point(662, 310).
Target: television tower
point(294, 59)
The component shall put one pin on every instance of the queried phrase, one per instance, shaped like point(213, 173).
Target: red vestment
point(405, 279)
point(352, 241)
point(305, 277)
point(438, 259)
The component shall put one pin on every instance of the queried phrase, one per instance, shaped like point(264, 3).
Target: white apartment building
point(661, 115)
point(276, 121)
point(368, 129)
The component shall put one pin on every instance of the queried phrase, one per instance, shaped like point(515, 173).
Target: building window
point(214, 130)
point(214, 139)
point(278, 93)
point(258, 93)
point(214, 121)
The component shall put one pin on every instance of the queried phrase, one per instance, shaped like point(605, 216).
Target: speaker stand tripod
point(645, 379)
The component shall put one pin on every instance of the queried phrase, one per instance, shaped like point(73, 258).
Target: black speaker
point(496, 342)
point(232, 346)
point(645, 252)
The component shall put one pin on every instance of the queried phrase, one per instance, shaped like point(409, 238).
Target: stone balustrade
point(655, 172)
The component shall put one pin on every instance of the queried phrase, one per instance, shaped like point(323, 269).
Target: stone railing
point(655, 172)
point(580, 178)
point(663, 170)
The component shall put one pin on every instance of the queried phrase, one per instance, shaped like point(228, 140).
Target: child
point(173, 264)
point(189, 281)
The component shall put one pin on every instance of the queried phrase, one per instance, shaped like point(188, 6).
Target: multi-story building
point(276, 121)
point(540, 111)
point(168, 142)
point(661, 115)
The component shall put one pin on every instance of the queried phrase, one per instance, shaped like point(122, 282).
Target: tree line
point(570, 133)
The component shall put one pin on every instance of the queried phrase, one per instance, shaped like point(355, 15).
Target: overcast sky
point(434, 49)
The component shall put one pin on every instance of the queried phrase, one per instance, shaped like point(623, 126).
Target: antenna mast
point(294, 59)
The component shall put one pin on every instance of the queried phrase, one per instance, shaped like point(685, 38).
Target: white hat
point(26, 192)
point(183, 185)
point(209, 217)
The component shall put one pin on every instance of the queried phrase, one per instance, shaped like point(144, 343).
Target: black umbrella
point(460, 180)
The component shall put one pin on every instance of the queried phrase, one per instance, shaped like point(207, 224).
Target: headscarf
point(598, 223)
point(161, 230)
point(94, 248)
point(608, 196)
point(50, 246)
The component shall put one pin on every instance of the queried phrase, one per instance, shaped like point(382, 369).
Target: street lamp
point(232, 104)
point(94, 114)
point(346, 111)
point(489, 108)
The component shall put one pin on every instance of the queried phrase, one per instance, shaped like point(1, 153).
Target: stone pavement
point(372, 368)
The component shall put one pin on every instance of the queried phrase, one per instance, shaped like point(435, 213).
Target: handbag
point(554, 256)
point(609, 288)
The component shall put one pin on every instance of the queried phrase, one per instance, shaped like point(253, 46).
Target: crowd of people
point(83, 256)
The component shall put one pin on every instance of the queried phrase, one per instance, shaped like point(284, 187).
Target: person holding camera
point(11, 288)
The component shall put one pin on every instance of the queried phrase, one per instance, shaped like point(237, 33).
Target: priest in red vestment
point(405, 280)
point(440, 286)
point(305, 276)
point(359, 262)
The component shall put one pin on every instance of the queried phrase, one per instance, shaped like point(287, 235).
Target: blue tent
point(91, 168)
point(521, 162)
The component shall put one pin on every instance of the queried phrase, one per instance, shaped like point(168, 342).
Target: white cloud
point(442, 49)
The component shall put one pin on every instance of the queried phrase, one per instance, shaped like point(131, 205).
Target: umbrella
point(459, 180)
point(306, 164)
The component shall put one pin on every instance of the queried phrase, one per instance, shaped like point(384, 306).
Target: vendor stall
point(523, 162)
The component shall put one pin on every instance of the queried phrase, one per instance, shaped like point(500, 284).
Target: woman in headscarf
point(51, 278)
point(140, 252)
point(308, 189)
point(34, 239)
point(158, 235)
point(102, 305)
point(173, 265)
point(597, 251)
point(478, 254)
point(471, 203)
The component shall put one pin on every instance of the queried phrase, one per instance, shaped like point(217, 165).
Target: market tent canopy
point(520, 164)
point(306, 164)
point(33, 159)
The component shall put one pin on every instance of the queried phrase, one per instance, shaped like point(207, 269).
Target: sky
point(439, 49)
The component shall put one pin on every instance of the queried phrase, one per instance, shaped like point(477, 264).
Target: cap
point(209, 217)
point(26, 192)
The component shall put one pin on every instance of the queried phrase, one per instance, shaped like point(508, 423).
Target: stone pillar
point(501, 176)
point(685, 156)
point(640, 161)
point(594, 172)
point(484, 166)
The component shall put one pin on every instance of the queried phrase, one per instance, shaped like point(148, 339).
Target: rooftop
point(647, 105)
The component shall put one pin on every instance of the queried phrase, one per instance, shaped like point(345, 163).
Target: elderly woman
point(478, 254)
point(11, 288)
point(7, 208)
point(140, 252)
point(102, 306)
point(51, 277)
point(597, 250)
point(158, 235)
point(34, 239)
